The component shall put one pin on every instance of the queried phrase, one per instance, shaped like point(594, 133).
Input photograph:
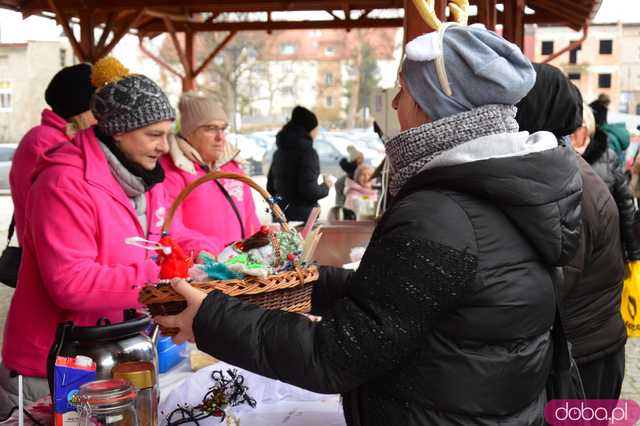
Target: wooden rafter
point(176, 43)
point(121, 32)
point(155, 26)
point(156, 59)
point(63, 21)
point(213, 17)
point(213, 54)
point(190, 71)
point(336, 17)
point(551, 7)
point(365, 13)
point(219, 6)
point(108, 27)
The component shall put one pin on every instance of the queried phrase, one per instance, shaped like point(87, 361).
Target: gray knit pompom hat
point(124, 102)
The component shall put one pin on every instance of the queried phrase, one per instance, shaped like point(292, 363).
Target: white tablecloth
point(277, 403)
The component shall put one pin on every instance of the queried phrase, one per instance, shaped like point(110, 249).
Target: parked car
point(7, 152)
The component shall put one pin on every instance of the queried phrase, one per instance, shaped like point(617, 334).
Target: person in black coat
point(447, 320)
point(591, 291)
point(592, 143)
point(295, 167)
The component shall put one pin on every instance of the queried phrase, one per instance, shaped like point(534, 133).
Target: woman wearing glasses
point(222, 210)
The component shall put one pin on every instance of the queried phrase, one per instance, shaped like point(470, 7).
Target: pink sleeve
point(63, 232)
point(190, 240)
point(193, 241)
point(251, 222)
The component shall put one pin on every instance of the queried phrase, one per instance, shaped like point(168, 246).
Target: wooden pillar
point(514, 22)
point(187, 58)
point(487, 13)
point(414, 25)
point(86, 34)
point(188, 83)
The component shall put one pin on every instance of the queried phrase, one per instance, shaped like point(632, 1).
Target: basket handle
point(275, 208)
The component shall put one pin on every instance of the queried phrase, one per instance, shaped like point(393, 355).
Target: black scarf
point(149, 178)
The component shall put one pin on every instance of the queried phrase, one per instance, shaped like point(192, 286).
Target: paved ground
point(630, 387)
point(631, 384)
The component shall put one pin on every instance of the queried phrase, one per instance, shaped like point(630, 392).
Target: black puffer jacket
point(592, 289)
point(590, 294)
point(447, 319)
point(294, 173)
point(605, 163)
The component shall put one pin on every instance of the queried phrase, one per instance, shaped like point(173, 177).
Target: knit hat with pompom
point(124, 102)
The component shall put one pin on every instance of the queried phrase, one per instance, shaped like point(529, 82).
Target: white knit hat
point(198, 109)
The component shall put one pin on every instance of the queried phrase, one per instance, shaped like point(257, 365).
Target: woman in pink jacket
point(222, 210)
point(360, 189)
point(88, 196)
point(68, 94)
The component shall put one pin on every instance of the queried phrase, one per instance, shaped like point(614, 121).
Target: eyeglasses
point(215, 129)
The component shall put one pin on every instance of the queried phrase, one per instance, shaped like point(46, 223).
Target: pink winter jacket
point(75, 263)
point(48, 134)
point(206, 209)
point(354, 192)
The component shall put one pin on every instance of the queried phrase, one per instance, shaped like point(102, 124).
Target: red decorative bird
point(174, 263)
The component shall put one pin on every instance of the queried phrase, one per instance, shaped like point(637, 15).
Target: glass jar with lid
point(107, 403)
point(142, 375)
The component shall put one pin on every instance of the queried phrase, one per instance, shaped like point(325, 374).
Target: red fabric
point(174, 264)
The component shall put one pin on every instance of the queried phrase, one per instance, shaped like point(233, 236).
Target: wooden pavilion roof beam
point(336, 17)
point(156, 26)
point(119, 33)
point(572, 14)
point(63, 21)
point(186, 55)
point(365, 14)
point(214, 6)
point(108, 27)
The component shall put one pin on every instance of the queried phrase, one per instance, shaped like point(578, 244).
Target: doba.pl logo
point(570, 412)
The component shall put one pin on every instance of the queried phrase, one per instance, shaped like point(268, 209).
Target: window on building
point(288, 49)
point(328, 79)
point(328, 102)
point(573, 55)
point(574, 76)
point(637, 109)
point(6, 96)
point(329, 51)
point(287, 91)
point(604, 81)
point(606, 47)
point(63, 57)
point(547, 47)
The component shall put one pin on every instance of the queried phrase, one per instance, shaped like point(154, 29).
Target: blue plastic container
point(170, 354)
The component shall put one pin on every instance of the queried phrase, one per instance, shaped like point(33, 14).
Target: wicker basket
point(288, 291)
